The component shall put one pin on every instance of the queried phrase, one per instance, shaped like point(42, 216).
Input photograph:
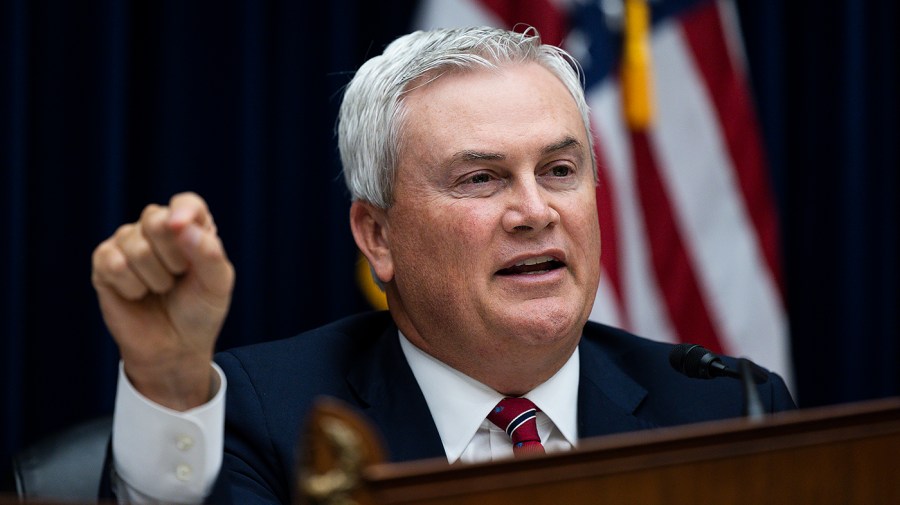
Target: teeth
point(534, 261)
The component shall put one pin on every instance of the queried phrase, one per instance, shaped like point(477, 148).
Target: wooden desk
point(836, 455)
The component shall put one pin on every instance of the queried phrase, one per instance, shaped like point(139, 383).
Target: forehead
point(497, 108)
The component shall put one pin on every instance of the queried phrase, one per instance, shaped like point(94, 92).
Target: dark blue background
point(107, 106)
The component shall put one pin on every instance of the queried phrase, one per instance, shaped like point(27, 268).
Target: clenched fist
point(164, 284)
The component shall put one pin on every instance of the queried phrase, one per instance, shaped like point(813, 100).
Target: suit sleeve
point(780, 398)
point(252, 473)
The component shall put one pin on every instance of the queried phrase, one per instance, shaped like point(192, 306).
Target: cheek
point(591, 229)
point(584, 228)
point(471, 226)
point(423, 242)
point(448, 246)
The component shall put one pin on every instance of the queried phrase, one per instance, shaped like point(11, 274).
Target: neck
point(515, 375)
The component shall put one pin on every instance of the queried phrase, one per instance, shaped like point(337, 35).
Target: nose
point(529, 208)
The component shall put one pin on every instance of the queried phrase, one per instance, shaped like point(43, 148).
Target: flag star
point(614, 12)
point(578, 44)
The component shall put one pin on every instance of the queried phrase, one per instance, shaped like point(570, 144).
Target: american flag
point(688, 223)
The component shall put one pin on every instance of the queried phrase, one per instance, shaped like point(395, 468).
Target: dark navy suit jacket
point(626, 384)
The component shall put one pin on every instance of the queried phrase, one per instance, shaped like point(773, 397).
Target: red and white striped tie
point(517, 416)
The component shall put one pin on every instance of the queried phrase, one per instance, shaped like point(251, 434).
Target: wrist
point(178, 387)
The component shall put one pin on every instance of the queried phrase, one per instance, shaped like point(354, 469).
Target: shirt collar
point(459, 403)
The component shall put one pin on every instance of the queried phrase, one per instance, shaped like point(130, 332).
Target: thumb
point(208, 261)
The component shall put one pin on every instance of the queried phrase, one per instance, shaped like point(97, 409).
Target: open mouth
point(532, 266)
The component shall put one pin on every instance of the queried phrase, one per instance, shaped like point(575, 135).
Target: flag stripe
point(606, 216)
point(673, 268)
point(704, 33)
point(454, 13)
point(740, 291)
point(541, 14)
point(642, 303)
point(697, 176)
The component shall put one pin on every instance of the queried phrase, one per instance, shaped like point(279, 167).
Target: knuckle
point(194, 203)
point(184, 194)
point(105, 258)
point(163, 285)
point(188, 198)
point(124, 231)
point(149, 211)
point(99, 253)
point(116, 274)
point(208, 247)
point(210, 253)
point(133, 292)
point(116, 266)
point(154, 223)
point(137, 250)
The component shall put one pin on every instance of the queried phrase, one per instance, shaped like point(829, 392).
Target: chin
point(545, 325)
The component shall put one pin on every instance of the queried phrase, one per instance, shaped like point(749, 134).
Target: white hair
point(370, 121)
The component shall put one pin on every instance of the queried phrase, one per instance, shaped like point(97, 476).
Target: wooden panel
point(842, 454)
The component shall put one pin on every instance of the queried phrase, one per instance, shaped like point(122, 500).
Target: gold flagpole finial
point(637, 80)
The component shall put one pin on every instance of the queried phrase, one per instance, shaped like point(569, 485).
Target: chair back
point(66, 466)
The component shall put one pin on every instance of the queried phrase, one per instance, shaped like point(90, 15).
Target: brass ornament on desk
point(339, 446)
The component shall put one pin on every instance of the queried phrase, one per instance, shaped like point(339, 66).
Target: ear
point(369, 226)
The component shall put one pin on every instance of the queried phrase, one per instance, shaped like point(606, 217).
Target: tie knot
point(517, 417)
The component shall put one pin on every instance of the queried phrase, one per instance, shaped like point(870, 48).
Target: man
point(469, 157)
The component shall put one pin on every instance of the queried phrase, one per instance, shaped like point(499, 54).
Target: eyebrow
point(469, 155)
point(565, 143)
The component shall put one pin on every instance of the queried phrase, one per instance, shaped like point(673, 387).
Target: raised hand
point(164, 284)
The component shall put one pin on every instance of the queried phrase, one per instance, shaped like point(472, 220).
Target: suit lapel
point(390, 396)
point(607, 396)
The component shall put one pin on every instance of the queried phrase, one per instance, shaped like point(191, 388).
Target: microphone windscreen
point(695, 361)
point(678, 355)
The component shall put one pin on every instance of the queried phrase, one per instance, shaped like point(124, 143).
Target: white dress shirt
point(162, 455)
point(459, 406)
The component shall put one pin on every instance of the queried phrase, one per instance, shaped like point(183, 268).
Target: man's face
point(493, 234)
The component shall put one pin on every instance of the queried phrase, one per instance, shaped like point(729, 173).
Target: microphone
point(698, 362)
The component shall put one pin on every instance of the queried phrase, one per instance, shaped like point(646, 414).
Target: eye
point(560, 175)
point(481, 178)
point(478, 183)
point(561, 171)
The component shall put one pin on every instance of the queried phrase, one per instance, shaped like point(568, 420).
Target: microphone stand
point(753, 407)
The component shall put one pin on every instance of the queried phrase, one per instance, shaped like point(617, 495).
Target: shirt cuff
point(165, 454)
